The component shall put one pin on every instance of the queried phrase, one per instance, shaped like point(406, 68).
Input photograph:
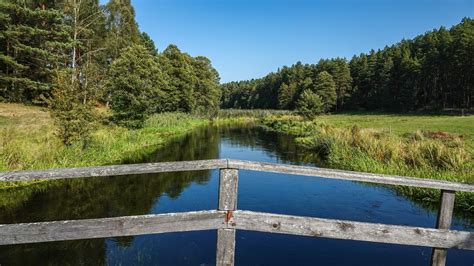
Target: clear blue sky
point(248, 39)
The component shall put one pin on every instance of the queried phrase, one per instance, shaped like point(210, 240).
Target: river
point(190, 191)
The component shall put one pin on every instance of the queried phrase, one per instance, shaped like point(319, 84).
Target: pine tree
point(326, 89)
point(285, 96)
point(340, 71)
point(73, 119)
point(309, 104)
point(33, 42)
point(462, 58)
point(148, 43)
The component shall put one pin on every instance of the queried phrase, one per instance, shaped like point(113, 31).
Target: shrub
point(72, 117)
point(309, 104)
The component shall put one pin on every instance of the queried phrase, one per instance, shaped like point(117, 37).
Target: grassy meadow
point(405, 123)
point(28, 140)
point(427, 146)
point(436, 147)
point(245, 116)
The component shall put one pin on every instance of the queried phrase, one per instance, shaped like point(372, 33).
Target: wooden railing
point(227, 219)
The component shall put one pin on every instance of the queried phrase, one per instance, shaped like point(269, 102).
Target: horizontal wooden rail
point(350, 175)
point(148, 168)
point(350, 230)
point(240, 220)
point(113, 170)
point(110, 227)
point(227, 219)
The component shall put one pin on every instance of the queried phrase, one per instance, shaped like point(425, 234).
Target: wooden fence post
point(228, 181)
point(445, 216)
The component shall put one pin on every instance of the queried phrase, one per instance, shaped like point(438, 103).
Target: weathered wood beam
point(445, 216)
point(228, 184)
point(225, 247)
point(349, 175)
point(113, 170)
point(148, 168)
point(110, 227)
point(242, 220)
point(350, 230)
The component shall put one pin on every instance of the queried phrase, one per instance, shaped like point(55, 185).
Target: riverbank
point(28, 141)
point(390, 144)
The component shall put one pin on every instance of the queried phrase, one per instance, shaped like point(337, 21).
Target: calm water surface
point(258, 191)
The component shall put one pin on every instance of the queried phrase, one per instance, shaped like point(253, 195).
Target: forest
point(72, 55)
point(432, 72)
point(83, 89)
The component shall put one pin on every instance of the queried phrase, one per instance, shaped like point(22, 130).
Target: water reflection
point(184, 191)
point(104, 197)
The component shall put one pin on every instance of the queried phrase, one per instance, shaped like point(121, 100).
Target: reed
point(423, 153)
point(28, 142)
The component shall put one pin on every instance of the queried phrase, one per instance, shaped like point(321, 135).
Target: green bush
point(72, 117)
point(134, 84)
point(309, 104)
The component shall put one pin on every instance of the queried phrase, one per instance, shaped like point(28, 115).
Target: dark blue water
point(258, 191)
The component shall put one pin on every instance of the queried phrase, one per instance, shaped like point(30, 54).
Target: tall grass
point(257, 113)
point(425, 154)
point(36, 147)
point(245, 116)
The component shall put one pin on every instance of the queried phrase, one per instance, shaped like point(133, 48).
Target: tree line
point(72, 55)
point(433, 71)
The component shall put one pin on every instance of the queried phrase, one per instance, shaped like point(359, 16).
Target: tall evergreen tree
point(33, 41)
point(340, 71)
point(326, 89)
point(148, 43)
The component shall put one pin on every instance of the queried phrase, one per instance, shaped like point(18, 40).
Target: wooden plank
point(340, 229)
point(225, 247)
point(110, 227)
point(445, 216)
point(349, 175)
point(113, 170)
point(222, 163)
point(228, 183)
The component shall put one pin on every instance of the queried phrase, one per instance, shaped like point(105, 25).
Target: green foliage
point(33, 42)
point(122, 29)
point(28, 140)
point(135, 83)
point(256, 113)
point(179, 67)
point(87, 57)
point(426, 154)
point(326, 89)
point(339, 69)
point(193, 83)
point(206, 91)
point(87, 38)
point(430, 72)
point(148, 43)
point(71, 116)
point(309, 105)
